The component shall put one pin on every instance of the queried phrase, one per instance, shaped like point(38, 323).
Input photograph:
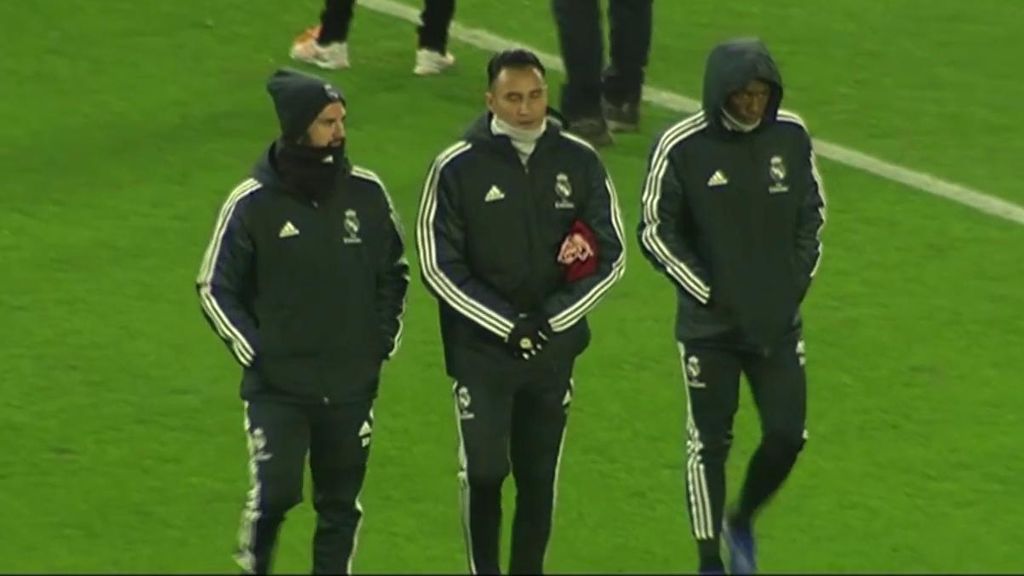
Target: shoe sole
point(319, 64)
point(738, 563)
point(430, 71)
point(616, 126)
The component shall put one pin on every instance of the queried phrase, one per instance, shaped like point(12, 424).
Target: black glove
point(528, 336)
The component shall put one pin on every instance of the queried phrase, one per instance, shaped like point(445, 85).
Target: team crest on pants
point(693, 372)
point(258, 446)
point(464, 400)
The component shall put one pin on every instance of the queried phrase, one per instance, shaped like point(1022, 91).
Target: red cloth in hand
point(582, 268)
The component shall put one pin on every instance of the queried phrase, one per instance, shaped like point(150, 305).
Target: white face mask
point(734, 124)
point(523, 140)
point(499, 126)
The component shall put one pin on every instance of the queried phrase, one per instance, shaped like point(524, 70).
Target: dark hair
point(516, 58)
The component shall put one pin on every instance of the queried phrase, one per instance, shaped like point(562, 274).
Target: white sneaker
point(333, 56)
point(431, 62)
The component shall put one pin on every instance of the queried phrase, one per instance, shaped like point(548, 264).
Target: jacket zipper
point(531, 245)
point(530, 216)
point(755, 205)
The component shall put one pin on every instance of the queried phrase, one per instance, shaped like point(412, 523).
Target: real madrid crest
point(351, 228)
point(693, 367)
point(563, 189)
point(693, 373)
point(464, 401)
point(332, 93)
point(464, 398)
point(777, 170)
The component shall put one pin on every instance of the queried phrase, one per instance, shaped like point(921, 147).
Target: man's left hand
point(528, 336)
point(574, 248)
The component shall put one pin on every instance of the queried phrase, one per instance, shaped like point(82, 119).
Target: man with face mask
point(305, 281)
point(509, 220)
point(733, 207)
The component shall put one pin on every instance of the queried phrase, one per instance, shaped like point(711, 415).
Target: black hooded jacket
point(307, 294)
point(733, 218)
point(488, 235)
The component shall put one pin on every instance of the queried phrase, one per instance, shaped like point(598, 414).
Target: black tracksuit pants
point(517, 424)
point(280, 434)
point(711, 370)
point(582, 46)
point(336, 18)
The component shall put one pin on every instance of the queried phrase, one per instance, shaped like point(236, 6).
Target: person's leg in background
point(432, 56)
point(326, 45)
point(335, 21)
point(630, 24)
point(582, 45)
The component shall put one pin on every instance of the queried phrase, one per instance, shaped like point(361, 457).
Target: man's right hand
point(528, 336)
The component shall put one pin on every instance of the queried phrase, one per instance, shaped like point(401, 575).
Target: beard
point(312, 172)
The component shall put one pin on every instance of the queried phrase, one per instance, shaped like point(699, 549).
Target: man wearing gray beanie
point(310, 154)
point(305, 281)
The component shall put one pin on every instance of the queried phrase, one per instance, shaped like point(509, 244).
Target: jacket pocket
point(292, 373)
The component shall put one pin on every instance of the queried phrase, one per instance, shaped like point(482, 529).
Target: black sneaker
point(742, 548)
point(593, 130)
point(623, 117)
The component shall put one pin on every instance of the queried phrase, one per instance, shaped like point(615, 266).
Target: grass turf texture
point(126, 125)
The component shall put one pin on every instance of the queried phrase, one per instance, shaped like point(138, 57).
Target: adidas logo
point(328, 159)
point(718, 179)
point(288, 230)
point(494, 194)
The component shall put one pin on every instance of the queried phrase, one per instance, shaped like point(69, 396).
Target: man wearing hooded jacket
point(733, 206)
point(507, 214)
point(305, 281)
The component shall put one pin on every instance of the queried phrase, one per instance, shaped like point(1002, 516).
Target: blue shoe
point(742, 549)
